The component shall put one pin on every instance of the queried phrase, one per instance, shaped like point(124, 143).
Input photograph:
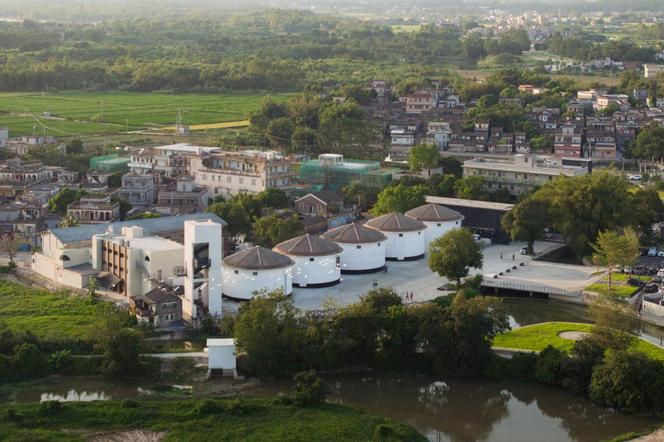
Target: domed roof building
point(255, 270)
point(363, 248)
point(405, 236)
point(317, 261)
point(438, 219)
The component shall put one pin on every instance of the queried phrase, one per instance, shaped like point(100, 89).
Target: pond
point(450, 409)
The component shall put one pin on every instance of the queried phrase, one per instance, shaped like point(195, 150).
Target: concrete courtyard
point(415, 276)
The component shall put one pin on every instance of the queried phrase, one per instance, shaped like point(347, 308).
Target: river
point(442, 408)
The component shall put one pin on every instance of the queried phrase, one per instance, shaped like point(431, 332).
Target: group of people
point(408, 296)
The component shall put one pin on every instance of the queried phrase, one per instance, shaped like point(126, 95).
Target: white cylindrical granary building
point(317, 261)
point(405, 236)
point(256, 270)
point(363, 248)
point(438, 219)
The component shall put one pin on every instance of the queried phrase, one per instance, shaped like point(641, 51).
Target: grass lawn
point(621, 291)
point(49, 315)
point(219, 420)
point(76, 112)
point(537, 336)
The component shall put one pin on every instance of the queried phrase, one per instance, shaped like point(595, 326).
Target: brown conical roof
point(258, 258)
point(395, 222)
point(353, 233)
point(308, 245)
point(434, 212)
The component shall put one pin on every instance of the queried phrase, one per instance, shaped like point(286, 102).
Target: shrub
point(309, 389)
point(60, 361)
point(549, 366)
point(383, 432)
point(49, 408)
point(27, 361)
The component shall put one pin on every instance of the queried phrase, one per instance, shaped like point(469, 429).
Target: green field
point(210, 420)
point(76, 113)
point(49, 315)
point(537, 337)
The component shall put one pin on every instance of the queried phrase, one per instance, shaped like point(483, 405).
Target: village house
point(568, 141)
point(94, 209)
point(138, 189)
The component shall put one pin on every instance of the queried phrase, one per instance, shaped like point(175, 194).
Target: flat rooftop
point(523, 168)
point(460, 202)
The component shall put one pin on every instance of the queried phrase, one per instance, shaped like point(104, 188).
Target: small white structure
point(317, 261)
point(438, 219)
point(221, 357)
point(363, 248)
point(255, 270)
point(405, 236)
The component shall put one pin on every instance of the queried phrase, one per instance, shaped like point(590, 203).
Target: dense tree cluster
point(379, 331)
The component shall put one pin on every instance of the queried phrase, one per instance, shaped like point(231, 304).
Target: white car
point(635, 177)
point(660, 254)
point(476, 237)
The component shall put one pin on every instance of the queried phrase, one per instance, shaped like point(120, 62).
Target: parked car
point(635, 282)
point(524, 250)
point(660, 253)
point(635, 177)
point(652, 251)
point(651, 288)
point(476, 237)
point(640, 270)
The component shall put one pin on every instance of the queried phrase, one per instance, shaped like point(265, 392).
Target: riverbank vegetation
point(608, 363)
point(378, 332)
point(219, 419)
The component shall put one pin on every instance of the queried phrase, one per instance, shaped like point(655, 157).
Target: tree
point(272, 229)
point(309, 389)
point(267, 330)
point(616, 315)
point(280, 131)
point(356, 193)
point(399, 198)
point(273, 198)
point(92, 289)
point(446, 185)
point(629, 381)
point(68, 221)
point(423, 156)
point(471, 188)
point(120, 346)
point(304, 140)
point(125, 206)
point(527, 221)
point(452, 166)
point(237, 218)
point(613, 249)
point(454, 253)
point(58, 204)
point(649, 143)
point(73, 146)
point(10, 243)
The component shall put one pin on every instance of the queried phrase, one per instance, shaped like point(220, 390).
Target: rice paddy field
point(80, 113)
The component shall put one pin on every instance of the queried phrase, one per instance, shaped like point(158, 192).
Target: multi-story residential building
point(170, 160)
point(94, 209)
point(250, 171)
point(402, 137)
point(420, 101)
point(96, 182)
point(520, 174)
point(138, 189)
point(651, 70)
point(182, 196)
point(605, 101)
point(568, 141)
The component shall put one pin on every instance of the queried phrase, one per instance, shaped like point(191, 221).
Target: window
point(400, 235)
point(311, 260)
point(254, 273)
point(378, 244)
point(438, 225)
point(358, 246)
point(236, 272)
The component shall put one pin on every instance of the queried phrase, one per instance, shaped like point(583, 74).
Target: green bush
point(309, 389)
point(49, 408)
point(27, 360)
point(549, 366)
point(60, 361)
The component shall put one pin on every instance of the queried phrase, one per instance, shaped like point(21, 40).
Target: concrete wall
point(368, 256)
point(437, 229)
point(310, 270)
point(242, 283)
point(404, 245)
